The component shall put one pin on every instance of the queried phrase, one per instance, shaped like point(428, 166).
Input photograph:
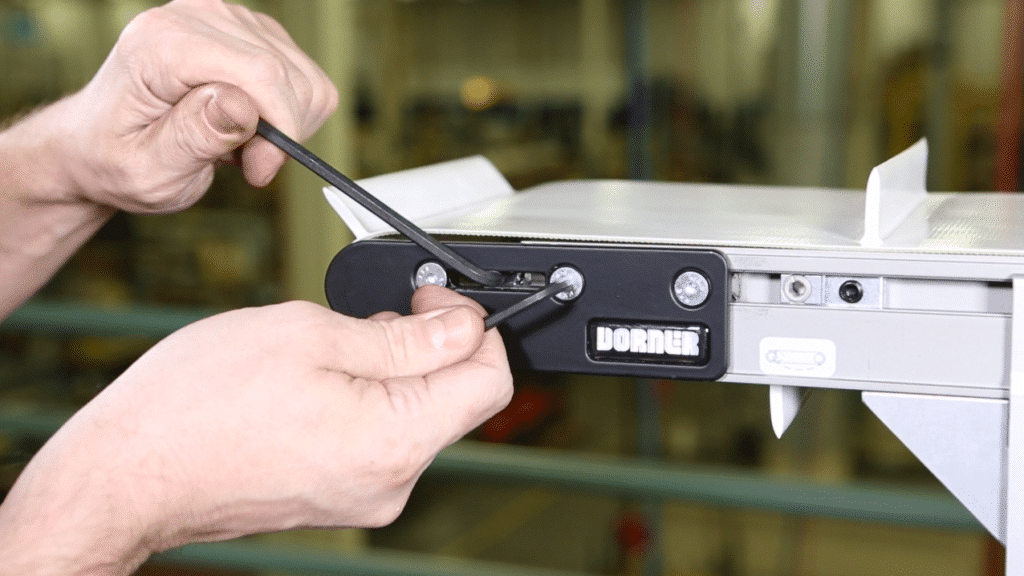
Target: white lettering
point(621, 340)
point(638, 340)
point(690, 343)
point(672, 342)
point(673, 345)
point(655, 341)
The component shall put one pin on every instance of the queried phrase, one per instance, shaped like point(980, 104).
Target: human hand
point(181, 90)
point(265, 419)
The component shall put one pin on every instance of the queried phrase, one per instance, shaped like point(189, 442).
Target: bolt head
point(430, 273)
point(691, 288)
point(573, 277)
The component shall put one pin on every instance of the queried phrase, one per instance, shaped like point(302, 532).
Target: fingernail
point(452, 329)
point(221, 119)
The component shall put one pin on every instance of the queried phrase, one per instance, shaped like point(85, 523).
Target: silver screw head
point(796, 288)
point(691, 288)
point(430, 273)
point(571, 276)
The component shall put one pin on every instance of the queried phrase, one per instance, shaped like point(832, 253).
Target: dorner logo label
point(624, 341)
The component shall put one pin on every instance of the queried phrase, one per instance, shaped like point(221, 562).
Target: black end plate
point(626, 322)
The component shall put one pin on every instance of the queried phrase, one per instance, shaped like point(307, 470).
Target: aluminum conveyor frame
point(916, 299)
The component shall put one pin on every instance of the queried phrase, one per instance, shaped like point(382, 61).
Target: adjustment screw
point(851, 291)
point(691, 288)
point(430, 273)
point(796, 288)
point(571, 276)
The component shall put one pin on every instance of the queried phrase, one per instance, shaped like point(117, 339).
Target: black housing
point(624, 286)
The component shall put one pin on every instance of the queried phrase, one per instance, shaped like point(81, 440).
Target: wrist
point(44, 217)
point(65, 516)
point(41, 202)
point(37, 157)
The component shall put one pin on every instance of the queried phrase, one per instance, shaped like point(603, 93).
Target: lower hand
point(261, 420)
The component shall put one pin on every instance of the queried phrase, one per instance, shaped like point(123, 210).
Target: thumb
point(209, 122)
point(409, 345)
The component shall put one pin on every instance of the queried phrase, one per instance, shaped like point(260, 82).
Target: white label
point(647, 341)
point(808, 357)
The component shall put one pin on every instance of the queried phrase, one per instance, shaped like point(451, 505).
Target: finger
point(206, 124)
point(323, 94)
point(238, 47)
point(430, 297)
point(261, 161)
point(274, 27)
point(466, 394)
point(229, 53)
point(405, 346)
point(293, 91)
point(187, 143)
point(386, 315)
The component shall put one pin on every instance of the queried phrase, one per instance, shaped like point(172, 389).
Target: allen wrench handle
point(490, 278)
point(376, 207)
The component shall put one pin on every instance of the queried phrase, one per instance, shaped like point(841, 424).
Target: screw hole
point(851, 291)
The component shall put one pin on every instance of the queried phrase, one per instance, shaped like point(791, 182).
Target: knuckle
point(269, 68)
point(154, 201)
point(272, 24)
point(387, 513)
point(150, 28)
point(297, 324)
point(327, 97)
point(147, 21)
point(305, 93)
point(332, 96)
point(494, 400)
point(399, 469)
point(306, 89)
point(506, 390)
point(297, 308)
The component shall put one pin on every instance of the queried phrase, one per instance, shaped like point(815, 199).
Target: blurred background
point(580, 475)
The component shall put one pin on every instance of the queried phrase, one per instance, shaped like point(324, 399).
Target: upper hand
point(181, 90)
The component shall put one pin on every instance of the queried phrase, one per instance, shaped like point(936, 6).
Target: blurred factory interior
point(788, 92)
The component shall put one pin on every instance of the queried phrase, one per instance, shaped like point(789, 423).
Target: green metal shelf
point(725, 487)
point(631, 477)
point(256, 556)
point(65, 319)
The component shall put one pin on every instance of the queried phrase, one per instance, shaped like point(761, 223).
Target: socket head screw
point(851, 291)
point(570, 275)
point(430, 273)
point(691, 288)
